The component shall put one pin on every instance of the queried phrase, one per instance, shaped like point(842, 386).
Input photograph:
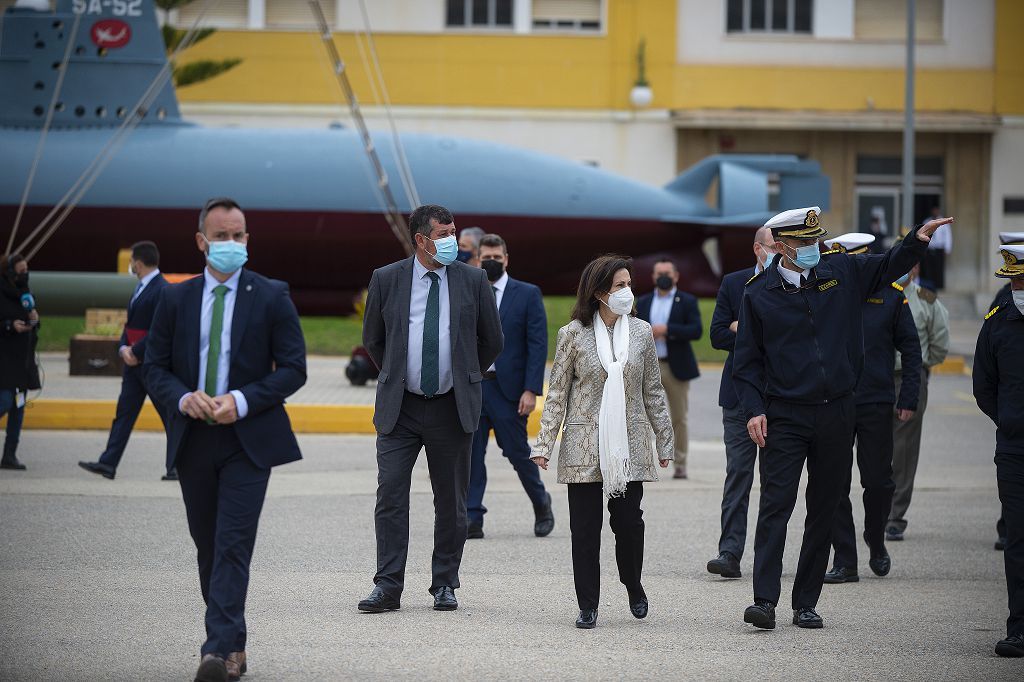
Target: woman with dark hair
point(18, 372)
point(606, 387)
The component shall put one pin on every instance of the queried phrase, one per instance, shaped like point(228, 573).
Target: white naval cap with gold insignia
point(1011, 237)
point(851, 243)
point(799, 223)
point(1013, 261)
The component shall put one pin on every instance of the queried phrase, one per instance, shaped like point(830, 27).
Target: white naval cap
point(1013, 261)
point(851, 242)
point(800, 223)
point(1011, 237)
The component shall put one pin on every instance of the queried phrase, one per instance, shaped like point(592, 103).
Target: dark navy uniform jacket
point(727, 311)
point(1002, 296)
point(999, 376)
point(806, 344)
point(888, 327)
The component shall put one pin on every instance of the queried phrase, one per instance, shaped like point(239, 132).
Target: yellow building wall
point(589, 72)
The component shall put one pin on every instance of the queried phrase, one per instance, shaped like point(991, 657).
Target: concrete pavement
point(98, 581)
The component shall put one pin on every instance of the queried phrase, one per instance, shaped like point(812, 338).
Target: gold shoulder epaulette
point(991, 312)
point(830, 252)
point(897, 286)
point(756, 274)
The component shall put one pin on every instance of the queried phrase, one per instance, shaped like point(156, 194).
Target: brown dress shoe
point(212, 669)
point(236, 664)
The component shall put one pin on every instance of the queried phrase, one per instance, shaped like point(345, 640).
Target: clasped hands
point(220, 409)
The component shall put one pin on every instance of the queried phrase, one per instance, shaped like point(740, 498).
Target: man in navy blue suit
point(740, 450)
point(675, 320)
point(227, 425)
point(510, 388)
point(145, 265)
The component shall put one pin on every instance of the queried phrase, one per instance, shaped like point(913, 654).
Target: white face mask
point(1018, 299)
point(621, 302)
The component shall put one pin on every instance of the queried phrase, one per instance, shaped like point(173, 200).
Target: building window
point(567, 15)
point(480, 13)
point(1013, 205)
point(886, 20)
point(768, 16)
point(296, 14)
point(223, 14)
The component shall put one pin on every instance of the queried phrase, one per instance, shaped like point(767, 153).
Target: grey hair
point(474, 233)
point(216, 202)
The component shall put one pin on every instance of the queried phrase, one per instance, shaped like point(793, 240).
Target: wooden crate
point(95, 356)
point(105, 317)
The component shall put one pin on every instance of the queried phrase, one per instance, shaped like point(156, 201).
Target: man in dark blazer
point(431, 325)
point(740, 451)
point(227, 425)
point(510, 388)
point(675, 321)
point(145, 265)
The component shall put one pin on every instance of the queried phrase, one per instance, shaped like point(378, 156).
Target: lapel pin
point(248, 287)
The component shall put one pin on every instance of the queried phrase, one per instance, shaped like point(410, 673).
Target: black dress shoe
point(1000, 544)
point(212, 669)
point(880, 562)
point(378, 602)
point(98, 468)
point(171, 475)
point(587, 619)
point(893, 534)
point(12, 463)
point(839, 575)
point(475, 532)
point(638, 603)
point(1011, 647)
point(761, 614)
point(806, 617)
point(544, 519)
point(726, 565)
point(444, 599)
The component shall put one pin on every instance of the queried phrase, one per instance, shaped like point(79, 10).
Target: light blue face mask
point(902, 281)
point(226, 257)
point(447, 250)
point(806, 256)
point(767, 260)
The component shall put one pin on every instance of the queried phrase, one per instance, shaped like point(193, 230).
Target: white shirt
point(205, 322)
point(417, 312)
point(942, 238)
point(498, 294)
point(661, 308)
point(792, 277)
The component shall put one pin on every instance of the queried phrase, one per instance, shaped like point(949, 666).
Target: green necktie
point(430, 368)
point(216, 329)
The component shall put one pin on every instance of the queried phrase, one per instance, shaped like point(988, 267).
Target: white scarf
point(613, 437)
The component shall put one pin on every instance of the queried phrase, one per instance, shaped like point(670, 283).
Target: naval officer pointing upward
point(799, 354)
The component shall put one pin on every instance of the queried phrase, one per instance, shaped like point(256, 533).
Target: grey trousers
point(434, 425)
point(740, 457)
point(906, 441)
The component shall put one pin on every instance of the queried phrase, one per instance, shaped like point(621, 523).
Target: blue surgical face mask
point(447, 250)
point(226, 257)
point(806, 256)
point(465, 256)
point(767, 258)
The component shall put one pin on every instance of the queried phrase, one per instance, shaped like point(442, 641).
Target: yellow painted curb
point(953, 364)
point(98, 414)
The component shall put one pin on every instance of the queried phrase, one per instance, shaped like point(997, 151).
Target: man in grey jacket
point(431, 325)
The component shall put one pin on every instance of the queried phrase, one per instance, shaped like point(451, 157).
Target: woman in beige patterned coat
point(606, 387)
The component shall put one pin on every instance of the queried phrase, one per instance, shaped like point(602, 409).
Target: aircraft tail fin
point(117, 50)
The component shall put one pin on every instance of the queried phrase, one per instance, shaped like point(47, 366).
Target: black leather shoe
point(1011, 647)
point(806, 617)
point(12, 463)
point(544, 519)
point(638, 603)
point(444, 599)
point(839, 575)
point(378, 602)
point(475, 532)
point(1000, 544)
point(726, 565)
point(761, 614)
point(587, 619)
point(880, 562)
point(171, 475)
point(893, 534)
point(98, 468)
point(212, 669)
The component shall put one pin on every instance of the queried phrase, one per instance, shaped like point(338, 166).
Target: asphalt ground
point(98, 577)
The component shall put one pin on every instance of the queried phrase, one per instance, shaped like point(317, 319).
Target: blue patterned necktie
point(430, 367)
point(138, 290)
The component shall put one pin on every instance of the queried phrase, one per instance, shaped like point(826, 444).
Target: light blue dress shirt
point(661, 309)
point(205, 321)
point(417, 311)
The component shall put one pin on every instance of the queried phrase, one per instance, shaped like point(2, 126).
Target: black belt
point(489, 376)
point(429, 397)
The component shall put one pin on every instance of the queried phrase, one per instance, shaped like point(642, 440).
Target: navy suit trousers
point(223, 492)
point(129, 404)
point(502, 415)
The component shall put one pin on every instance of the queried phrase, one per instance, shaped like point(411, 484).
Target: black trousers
point(1010, 478)
point(223, 492)
point(586, 516)
point(821, 436)
point(129, 404)
point(873, 432)
point(740, 456)
point(432, 424)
